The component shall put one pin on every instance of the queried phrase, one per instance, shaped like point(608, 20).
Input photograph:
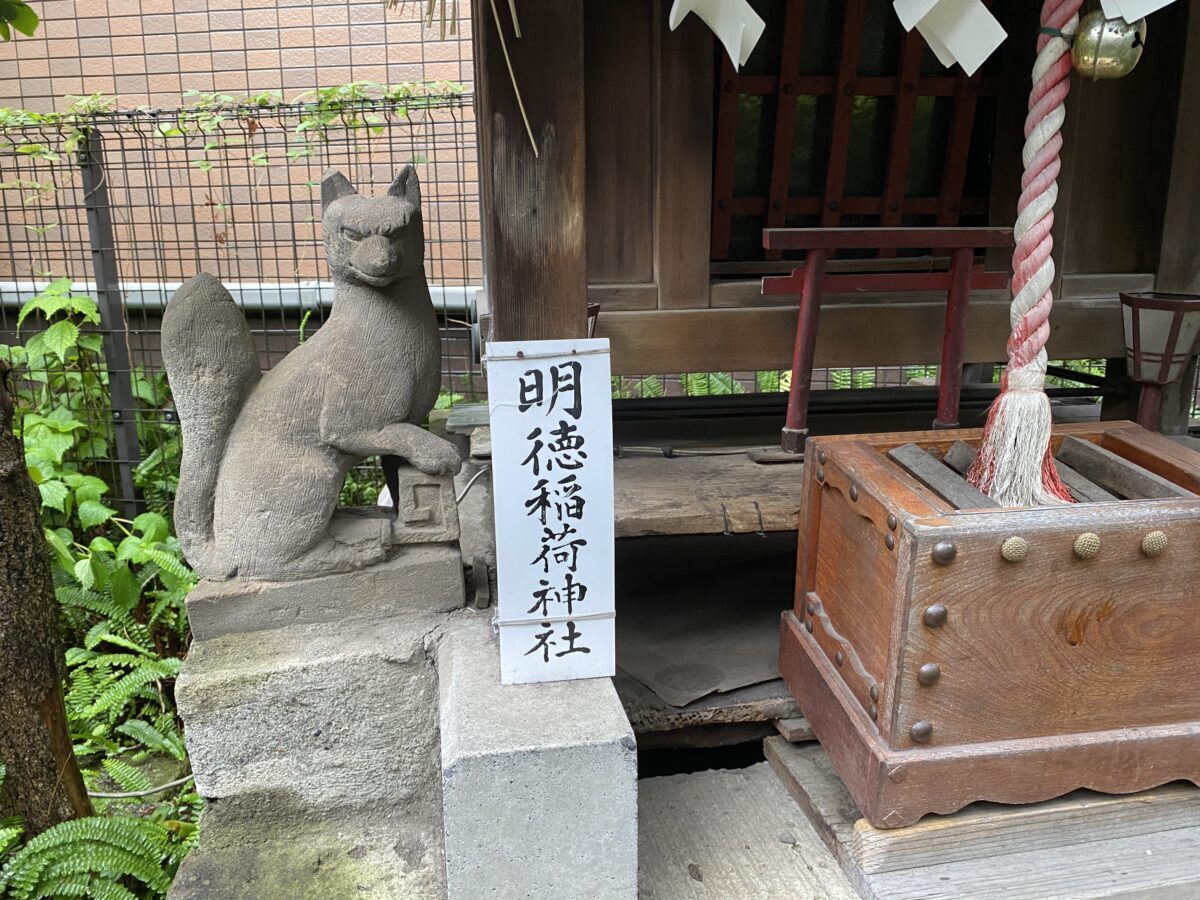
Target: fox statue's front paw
point(437, 458)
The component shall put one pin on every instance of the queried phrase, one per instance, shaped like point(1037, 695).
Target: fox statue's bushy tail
point(212, 367)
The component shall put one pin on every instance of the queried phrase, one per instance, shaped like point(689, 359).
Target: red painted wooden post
point(950, 374)
point(795, 430)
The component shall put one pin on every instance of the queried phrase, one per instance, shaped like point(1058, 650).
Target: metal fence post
point(115, 330)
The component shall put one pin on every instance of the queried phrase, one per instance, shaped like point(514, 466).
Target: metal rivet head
point(935, 615)
point(820, 474)
point(1014, 549)
point(1154, 544)
point(929, 673)
point(809, 608)
point(921, 731)
point(1087, 545)
point(892, 521)
point(889, 542)
point(854, 492)
point(808, 626)
point(821, 457)
point(874, 692)
point(944, 553)
point(873, 712)
point(839, 657)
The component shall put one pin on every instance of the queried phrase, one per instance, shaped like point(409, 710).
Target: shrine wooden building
point(658, 166)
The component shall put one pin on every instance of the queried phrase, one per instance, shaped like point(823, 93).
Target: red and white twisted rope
point(1014, 465)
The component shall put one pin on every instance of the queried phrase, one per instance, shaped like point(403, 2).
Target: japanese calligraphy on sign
point(552, 477)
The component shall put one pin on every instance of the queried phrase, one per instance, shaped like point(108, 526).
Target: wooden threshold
point(1082, 845)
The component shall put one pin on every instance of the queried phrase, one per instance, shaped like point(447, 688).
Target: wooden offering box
point(946, 650)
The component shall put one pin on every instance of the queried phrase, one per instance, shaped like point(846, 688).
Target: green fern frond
point(168, 563)
point(99, 604)
point(152, 739)
point(107, 890)
point(10, 834)
point(128, 777)
point(76, 851)
point(115, 696)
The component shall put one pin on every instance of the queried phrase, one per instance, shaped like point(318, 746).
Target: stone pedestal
point(539, 781)
point(311, 716)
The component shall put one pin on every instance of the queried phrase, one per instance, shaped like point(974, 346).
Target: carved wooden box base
point(945, 654)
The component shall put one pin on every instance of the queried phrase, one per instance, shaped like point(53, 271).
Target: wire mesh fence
point(116, 208)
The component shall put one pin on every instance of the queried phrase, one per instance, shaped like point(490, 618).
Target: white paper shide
point(552, 476)
point(957, 31)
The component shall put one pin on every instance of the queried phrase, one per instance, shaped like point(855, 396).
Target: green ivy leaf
point(90, 489)
point(101, 544)
point(54, 494)
point(152, 527)
point(93, 513)
point(22, 18)
point(126, 592)
point(84, 574)
point(61, 337)
point(60, 549)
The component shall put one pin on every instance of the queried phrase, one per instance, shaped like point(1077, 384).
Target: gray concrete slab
point(731, 833)
point(539, 781)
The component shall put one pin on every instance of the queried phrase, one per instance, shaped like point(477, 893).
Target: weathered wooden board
point(1115, 473)
point(1082, 489)
point(959, 457)
point(940, 478)
point(705, 495)
point(990, 850)
point(851, 334)
point(650, 713)
point(795, 731)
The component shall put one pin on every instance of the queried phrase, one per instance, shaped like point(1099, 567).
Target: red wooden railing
point(812, 282)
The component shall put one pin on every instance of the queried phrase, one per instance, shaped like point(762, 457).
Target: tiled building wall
point(152, 51)
point(178, 207)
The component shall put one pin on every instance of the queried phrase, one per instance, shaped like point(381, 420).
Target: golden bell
point(1107, 48)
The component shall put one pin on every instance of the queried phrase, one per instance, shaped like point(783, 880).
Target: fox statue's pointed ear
point(333, 186)
point(406, 186)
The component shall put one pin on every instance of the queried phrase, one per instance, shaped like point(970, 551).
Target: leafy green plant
point(646, 386)
point(710, 384)
point(19, 16)
point(120, 584)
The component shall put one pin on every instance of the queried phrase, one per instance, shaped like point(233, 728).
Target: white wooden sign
point(550, 407)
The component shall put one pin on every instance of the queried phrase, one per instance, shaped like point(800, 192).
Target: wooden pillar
point(1178, 259)
point(534, 240)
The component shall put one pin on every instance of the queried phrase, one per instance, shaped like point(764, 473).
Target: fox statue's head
point(372, 240)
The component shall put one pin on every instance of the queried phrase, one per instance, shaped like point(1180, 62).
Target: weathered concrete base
point(422, 577)
point(539, 781)
point(376, 860)
point(311, 716)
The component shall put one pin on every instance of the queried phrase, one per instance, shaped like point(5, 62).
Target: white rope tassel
point(1011, 466)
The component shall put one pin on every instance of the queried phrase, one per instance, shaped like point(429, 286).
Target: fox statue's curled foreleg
point(265, 454)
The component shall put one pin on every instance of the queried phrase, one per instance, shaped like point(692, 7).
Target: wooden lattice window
point(842, 118)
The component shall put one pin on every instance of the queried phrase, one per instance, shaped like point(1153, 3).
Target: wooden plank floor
point(730, 834)
point(1081, 846)
point(705, 495)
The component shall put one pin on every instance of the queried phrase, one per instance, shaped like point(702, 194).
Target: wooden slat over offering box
point(947, 650)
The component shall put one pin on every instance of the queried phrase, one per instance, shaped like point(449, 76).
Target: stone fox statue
point(265, 454)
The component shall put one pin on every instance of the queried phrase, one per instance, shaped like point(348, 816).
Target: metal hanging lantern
point(1107, 48)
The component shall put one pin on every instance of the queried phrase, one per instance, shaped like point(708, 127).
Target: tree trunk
point(43, 785)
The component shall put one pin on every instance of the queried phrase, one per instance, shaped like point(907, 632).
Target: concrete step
point(730, 833)
point(539, 781)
